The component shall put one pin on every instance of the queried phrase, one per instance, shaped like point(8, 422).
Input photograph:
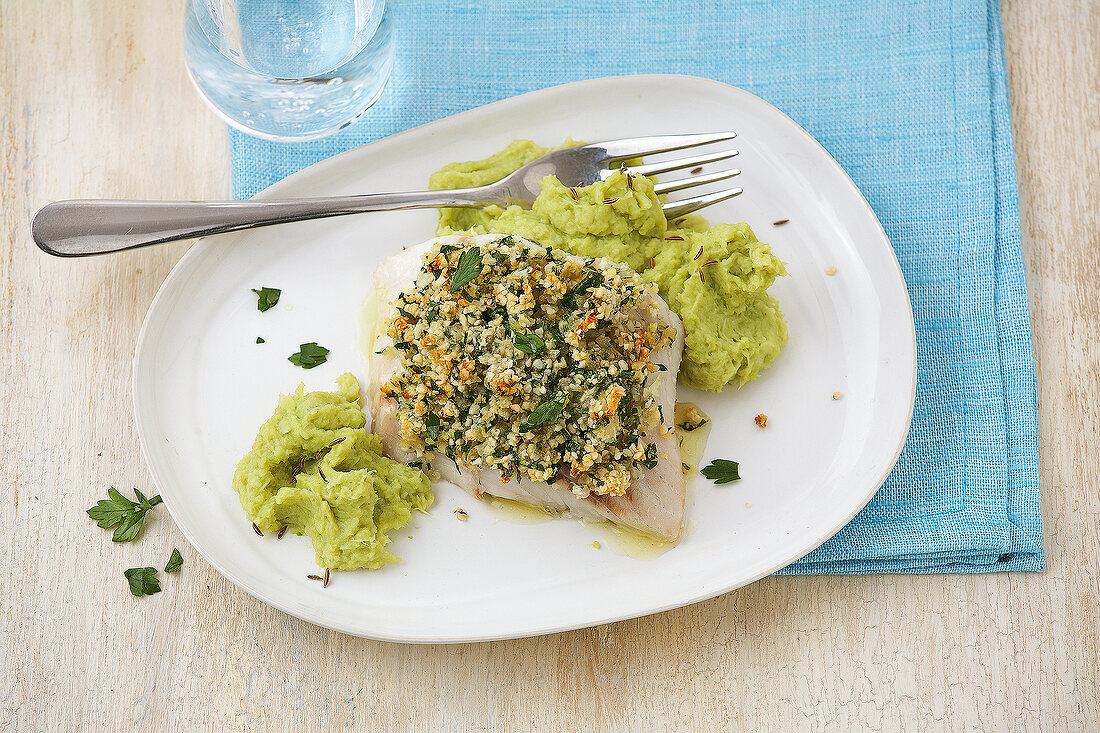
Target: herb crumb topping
point(529, 361)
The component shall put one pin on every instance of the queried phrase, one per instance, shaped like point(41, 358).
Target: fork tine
point(652, 169)
point(682, 183)
point(634, 147)
point(674, 209)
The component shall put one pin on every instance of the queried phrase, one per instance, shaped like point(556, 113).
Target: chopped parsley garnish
point(555, 331)
point(688, 427)
point(259, 339)
point(175, 562)
point(266, 297)
point(469, 267)
point(593, 279)
point(309, 355)
point(143, 581)
point(547, 411)
point(650, 460)
point(528, 343)
point(431, 427)
point(117, 510)
point(721, 471)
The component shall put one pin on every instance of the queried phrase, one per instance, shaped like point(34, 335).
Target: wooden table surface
point(95, 103)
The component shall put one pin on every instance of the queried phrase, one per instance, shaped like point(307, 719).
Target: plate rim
point(201, 244)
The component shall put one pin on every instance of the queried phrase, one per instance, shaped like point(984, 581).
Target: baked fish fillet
point(654, 502)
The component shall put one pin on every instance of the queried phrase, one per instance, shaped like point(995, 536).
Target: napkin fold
point(911, 98)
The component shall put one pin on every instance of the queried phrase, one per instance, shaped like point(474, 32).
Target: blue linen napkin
point(911, 98)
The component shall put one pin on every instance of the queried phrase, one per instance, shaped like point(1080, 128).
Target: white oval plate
point(202, 386)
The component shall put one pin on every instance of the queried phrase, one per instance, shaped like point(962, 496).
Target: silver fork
point(88, 227)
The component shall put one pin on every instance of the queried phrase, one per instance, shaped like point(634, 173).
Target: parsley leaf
point(547, 411)
point(309, 355)
point(119, 511)
point(650, 459)
point(594, 279)
point(469, 266)
point(554, 331)
point(143, 581)
point(688, 427)
point(721, 471)
point(266, 297)
point(175, 562)
point(259, 340)
point(431, 427)
point(528, 343)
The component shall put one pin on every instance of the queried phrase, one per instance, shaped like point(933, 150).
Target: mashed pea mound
point(716, 278)
point(314, 470)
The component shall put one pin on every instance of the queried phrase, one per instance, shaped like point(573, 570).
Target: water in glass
point(289, 69)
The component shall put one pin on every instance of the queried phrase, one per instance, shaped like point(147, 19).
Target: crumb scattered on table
point(762, 420)
point(830, 270)
point(837, 395)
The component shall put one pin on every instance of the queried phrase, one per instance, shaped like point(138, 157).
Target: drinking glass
point(289, 69)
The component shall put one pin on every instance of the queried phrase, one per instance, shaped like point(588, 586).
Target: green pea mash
point(314, 470)
point(715, 278)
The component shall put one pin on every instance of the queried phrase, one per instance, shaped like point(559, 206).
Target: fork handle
point(97, 226)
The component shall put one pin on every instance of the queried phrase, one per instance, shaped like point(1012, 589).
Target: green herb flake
point(266, 298)
point(143, 581)
point(721, 471)
point(309, 355)
point(528, 343)
point(650, 459)
point(126, 515)
point(688, 427)
point(259, 339)
point(469, 267)
point(547, 411)
point(431, 429)
point(555, 331)
point(594, 279)
point(175, 562)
